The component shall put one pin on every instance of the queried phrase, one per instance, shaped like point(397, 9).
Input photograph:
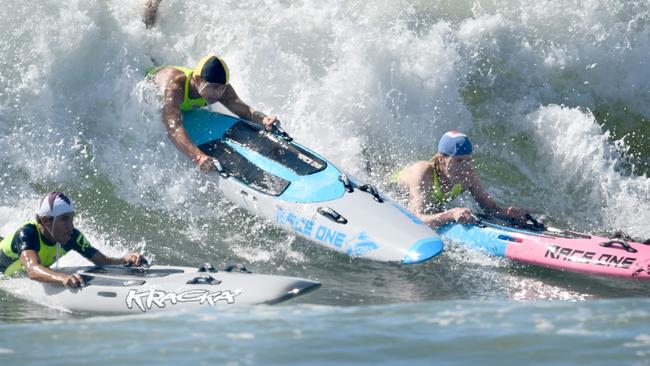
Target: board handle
point(203, 280)
point(622, 243)
point(281, 132)
point(239, 267)
point(369, 188)
point(332, 215)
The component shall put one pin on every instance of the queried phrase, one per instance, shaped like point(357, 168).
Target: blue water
point(607, 332)
point(554, 96)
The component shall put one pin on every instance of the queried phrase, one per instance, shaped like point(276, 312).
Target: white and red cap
point(55, 204)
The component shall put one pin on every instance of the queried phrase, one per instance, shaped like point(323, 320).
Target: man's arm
point(135, 258)
point(487, 203)
point(150, 9)
point(461, 215)
point(237, 106)
point(482, 196)
point(173, 121)
point(80, 244)
point(38, 272)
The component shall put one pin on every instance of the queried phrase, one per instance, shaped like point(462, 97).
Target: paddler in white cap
point(39, 243)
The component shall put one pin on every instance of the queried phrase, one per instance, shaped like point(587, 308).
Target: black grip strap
point(206, 267)
point(203, 280)
point(534, 223)
point(238, 267)
point(373, 191)
point(281, 132)
point(219, 168)
point(346, 183)
point(530, 224)
point(622, 243)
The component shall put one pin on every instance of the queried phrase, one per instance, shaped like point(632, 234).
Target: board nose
point(422, 250)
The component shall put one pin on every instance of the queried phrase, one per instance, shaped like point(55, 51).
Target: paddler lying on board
point(433, 184)
point(37, 244)
point(185, 89)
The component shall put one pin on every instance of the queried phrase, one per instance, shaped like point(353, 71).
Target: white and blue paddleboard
point(270, 175)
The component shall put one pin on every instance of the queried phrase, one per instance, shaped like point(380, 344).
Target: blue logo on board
point(310, 229)
point(360, 245)
point(355, 246)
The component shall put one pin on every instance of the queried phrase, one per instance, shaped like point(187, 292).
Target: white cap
point(55, 204)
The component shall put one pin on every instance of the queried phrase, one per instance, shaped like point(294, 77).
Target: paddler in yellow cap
point(186, 89)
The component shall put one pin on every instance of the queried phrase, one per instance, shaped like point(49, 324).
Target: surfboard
point(554, 248)
point(270, 175)
point(120, 289)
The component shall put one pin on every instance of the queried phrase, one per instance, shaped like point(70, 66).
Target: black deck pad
point(294, 157)
point(132, 271)
point(241, 168)
point(107, 281)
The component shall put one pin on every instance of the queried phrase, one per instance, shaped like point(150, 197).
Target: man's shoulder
point(176, 74)
point(421, 165)
point(170, 76)
point(28, 230)
point(27, 238)
point(175, 84)
point(168, 70)
point(414, 172)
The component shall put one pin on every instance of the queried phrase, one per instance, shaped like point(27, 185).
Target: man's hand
point(462, 215)
point(136, 259)
point(204, 162)
point(518, 214)
point(73, 281)
point(268, 122)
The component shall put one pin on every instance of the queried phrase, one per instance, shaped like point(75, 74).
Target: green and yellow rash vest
point(188, 104)
point(440, 197)
point(28, 237)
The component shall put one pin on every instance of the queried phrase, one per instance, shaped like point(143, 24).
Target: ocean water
point(555, 96)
